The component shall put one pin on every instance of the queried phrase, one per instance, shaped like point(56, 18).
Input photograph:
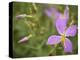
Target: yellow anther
point(63, 38)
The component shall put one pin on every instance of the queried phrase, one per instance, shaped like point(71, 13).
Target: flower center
point(63, 38)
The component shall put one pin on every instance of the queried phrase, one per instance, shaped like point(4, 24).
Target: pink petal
point(67, 45)
point(62, 20)
point(66, 12)
point(71, 31)
point(48, 13)
point(61, 24)
point(54, 40)
point(52, 12)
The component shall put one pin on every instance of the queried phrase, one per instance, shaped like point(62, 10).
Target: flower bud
point(21, 16)
point(24, 39)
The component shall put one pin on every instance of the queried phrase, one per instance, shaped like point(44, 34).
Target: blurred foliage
point(41, 27)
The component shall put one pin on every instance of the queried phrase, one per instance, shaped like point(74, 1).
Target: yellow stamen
point(63, 38)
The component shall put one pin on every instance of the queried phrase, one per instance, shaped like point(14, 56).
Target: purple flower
point(64, 31)
point(52, 12)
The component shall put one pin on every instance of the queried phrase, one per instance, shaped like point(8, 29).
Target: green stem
point(53, 51)
point(28, 26)
point(31, 47)
point(34, 6)
point(42, 44)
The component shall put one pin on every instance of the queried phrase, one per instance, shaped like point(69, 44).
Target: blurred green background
point(41, 27)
